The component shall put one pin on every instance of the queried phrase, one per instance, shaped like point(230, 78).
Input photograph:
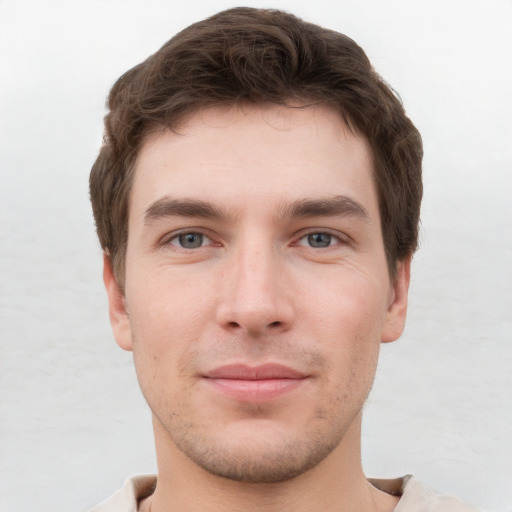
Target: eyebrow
point(329, 207)
point(302, 208)
point(168, 207)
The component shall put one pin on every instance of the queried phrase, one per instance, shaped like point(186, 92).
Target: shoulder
point(127, 498)
point(417, 497)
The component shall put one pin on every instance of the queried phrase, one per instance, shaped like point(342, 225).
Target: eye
point(319, 240)
point(190, 240)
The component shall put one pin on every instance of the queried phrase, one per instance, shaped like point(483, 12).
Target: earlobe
point(397, 308)
point(117, 307)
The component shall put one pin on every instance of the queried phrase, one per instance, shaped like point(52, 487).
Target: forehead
point(249, 155)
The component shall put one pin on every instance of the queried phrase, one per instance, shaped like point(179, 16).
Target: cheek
point(349, 303)
point(169, 305)
point(166, 322)
point(164, 345)
point(348, 323)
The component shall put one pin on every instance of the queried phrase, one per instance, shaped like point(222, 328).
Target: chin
point(259, 458)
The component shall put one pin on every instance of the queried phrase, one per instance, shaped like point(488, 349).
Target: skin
point(261, 280)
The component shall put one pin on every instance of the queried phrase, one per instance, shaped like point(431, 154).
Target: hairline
point(152, 129)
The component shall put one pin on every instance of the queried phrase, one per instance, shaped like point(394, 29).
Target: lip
point(254, 383)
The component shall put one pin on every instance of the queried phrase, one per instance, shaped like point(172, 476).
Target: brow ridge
point(169, 207)
point(328, 207)
point(302, 208)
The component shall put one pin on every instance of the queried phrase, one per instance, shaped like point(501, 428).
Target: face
point(257, 291)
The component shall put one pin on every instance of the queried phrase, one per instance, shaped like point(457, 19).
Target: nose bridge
point(254, 297)
point(256, 267)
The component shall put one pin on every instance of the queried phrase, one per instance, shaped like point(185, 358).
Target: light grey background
point(72, 422)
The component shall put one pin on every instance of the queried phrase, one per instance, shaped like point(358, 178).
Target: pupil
point(319, 240)
point(191, 240)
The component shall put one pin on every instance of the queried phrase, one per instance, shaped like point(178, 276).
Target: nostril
point(275, 324)
point(233, 325)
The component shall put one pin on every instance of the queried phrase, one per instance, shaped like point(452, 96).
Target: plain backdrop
point(73, 424)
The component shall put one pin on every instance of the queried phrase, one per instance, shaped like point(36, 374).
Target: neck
point(335, 484)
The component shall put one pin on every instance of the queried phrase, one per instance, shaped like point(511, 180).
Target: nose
point(255, 295)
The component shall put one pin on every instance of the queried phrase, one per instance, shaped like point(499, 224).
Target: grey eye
point(319, 239)
point(190, 240)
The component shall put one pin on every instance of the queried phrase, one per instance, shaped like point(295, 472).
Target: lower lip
point(255, 390)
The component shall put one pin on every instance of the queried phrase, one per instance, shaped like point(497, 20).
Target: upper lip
point(261, 372)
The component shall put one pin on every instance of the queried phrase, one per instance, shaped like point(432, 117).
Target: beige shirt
point(414, 496)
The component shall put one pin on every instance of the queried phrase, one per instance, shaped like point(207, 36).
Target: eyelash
point(308, 236)
point(178, 236)
point(208, 240)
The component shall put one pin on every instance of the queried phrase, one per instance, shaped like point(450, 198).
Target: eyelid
point(173, 235)
point(343, 238)
point(205, 240)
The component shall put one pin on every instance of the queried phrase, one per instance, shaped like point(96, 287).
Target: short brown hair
point(246, 55)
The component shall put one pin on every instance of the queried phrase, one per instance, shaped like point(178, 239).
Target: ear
point(119, 319)
point(396, 313)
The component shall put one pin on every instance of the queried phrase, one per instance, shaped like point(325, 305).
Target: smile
point(254, 384)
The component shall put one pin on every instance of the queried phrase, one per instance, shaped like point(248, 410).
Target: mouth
point(254, 383)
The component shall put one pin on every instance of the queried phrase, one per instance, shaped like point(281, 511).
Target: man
point(257, 199)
